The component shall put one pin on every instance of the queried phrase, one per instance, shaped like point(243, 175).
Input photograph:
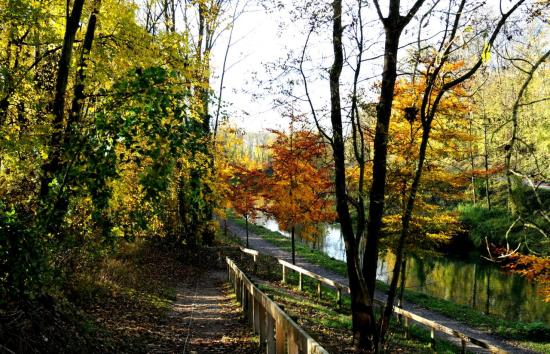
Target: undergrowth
point(119, 305)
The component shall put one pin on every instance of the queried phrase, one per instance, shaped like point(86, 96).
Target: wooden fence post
point(463, 342)
point(284, 274)
point(280, 337)
point(432, 339)
point(270, 343)
point(319, 290)
point(257, 325)
point(300, 285)
point(292, 344)
point(263, 325)
point(244, 298)
point(250, 308)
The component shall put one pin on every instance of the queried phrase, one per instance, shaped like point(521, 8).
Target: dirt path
point(208, 318)
point(258, 243)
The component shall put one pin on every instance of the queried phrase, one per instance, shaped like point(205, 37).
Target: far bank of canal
point(473, 282)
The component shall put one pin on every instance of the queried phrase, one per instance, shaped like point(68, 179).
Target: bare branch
point(306, 88)
point(379, 11)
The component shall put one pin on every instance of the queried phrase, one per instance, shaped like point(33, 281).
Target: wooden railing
point(432, 325)
point(278, 332)
point(320, 279)
point(255, 254)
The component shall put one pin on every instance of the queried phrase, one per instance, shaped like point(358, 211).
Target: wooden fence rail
point(320, 279)
point(278, 332)
point(432, 325)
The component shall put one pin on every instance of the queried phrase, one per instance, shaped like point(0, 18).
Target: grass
point(532, 335)
point(332, 327)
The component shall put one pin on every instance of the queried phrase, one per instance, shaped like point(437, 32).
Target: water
point(478, 284)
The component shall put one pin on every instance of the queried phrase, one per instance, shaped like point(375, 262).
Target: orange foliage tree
point(298, 190)
point(532, 267)
point(244, 193)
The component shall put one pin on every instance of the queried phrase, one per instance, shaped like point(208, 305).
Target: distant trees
point(294, 185)
point(510, 130)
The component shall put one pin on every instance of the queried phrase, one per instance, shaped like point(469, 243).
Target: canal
point(474, 282)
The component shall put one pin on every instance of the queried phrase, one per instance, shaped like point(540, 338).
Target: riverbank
point(535, 336)
point(494, 226)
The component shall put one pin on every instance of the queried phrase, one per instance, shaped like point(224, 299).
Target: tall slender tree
point(369, 332)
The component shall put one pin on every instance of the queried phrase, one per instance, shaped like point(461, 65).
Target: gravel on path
point(258, 243)
point(208, 320)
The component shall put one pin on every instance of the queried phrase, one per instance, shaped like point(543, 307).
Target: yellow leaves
point(430, 224)
point(486, 53)
point(431, 229)
point(43, 153)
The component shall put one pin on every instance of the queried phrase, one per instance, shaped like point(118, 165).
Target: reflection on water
point(478, 284)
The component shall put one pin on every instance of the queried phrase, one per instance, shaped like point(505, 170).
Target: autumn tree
point(97, 116)
point(434, 50)
point(245, 186)
point(299, 188)
point(433, 224)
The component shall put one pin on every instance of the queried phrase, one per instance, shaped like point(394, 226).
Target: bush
point(482, 222)
point(23, 266)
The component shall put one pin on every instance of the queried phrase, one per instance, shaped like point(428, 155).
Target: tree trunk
point(383, 114)
point(377, 192)
point(403, 281)
point(363, 320)
point(486, 160)
point(78, 98)
point(293, 245)
point(405, 225)
point(472, 162)
point(54, 166)
point(246, 227)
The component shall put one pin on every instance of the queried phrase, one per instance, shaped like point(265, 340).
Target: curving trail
point(258, 243)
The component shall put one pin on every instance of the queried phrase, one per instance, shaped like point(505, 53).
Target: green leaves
point(23, 266)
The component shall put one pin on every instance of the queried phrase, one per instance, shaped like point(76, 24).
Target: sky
point(263, 38)
point(255, 43)
point(260, 40)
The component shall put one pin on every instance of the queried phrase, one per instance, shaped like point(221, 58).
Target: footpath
point(206, 320)
point(258, 243)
